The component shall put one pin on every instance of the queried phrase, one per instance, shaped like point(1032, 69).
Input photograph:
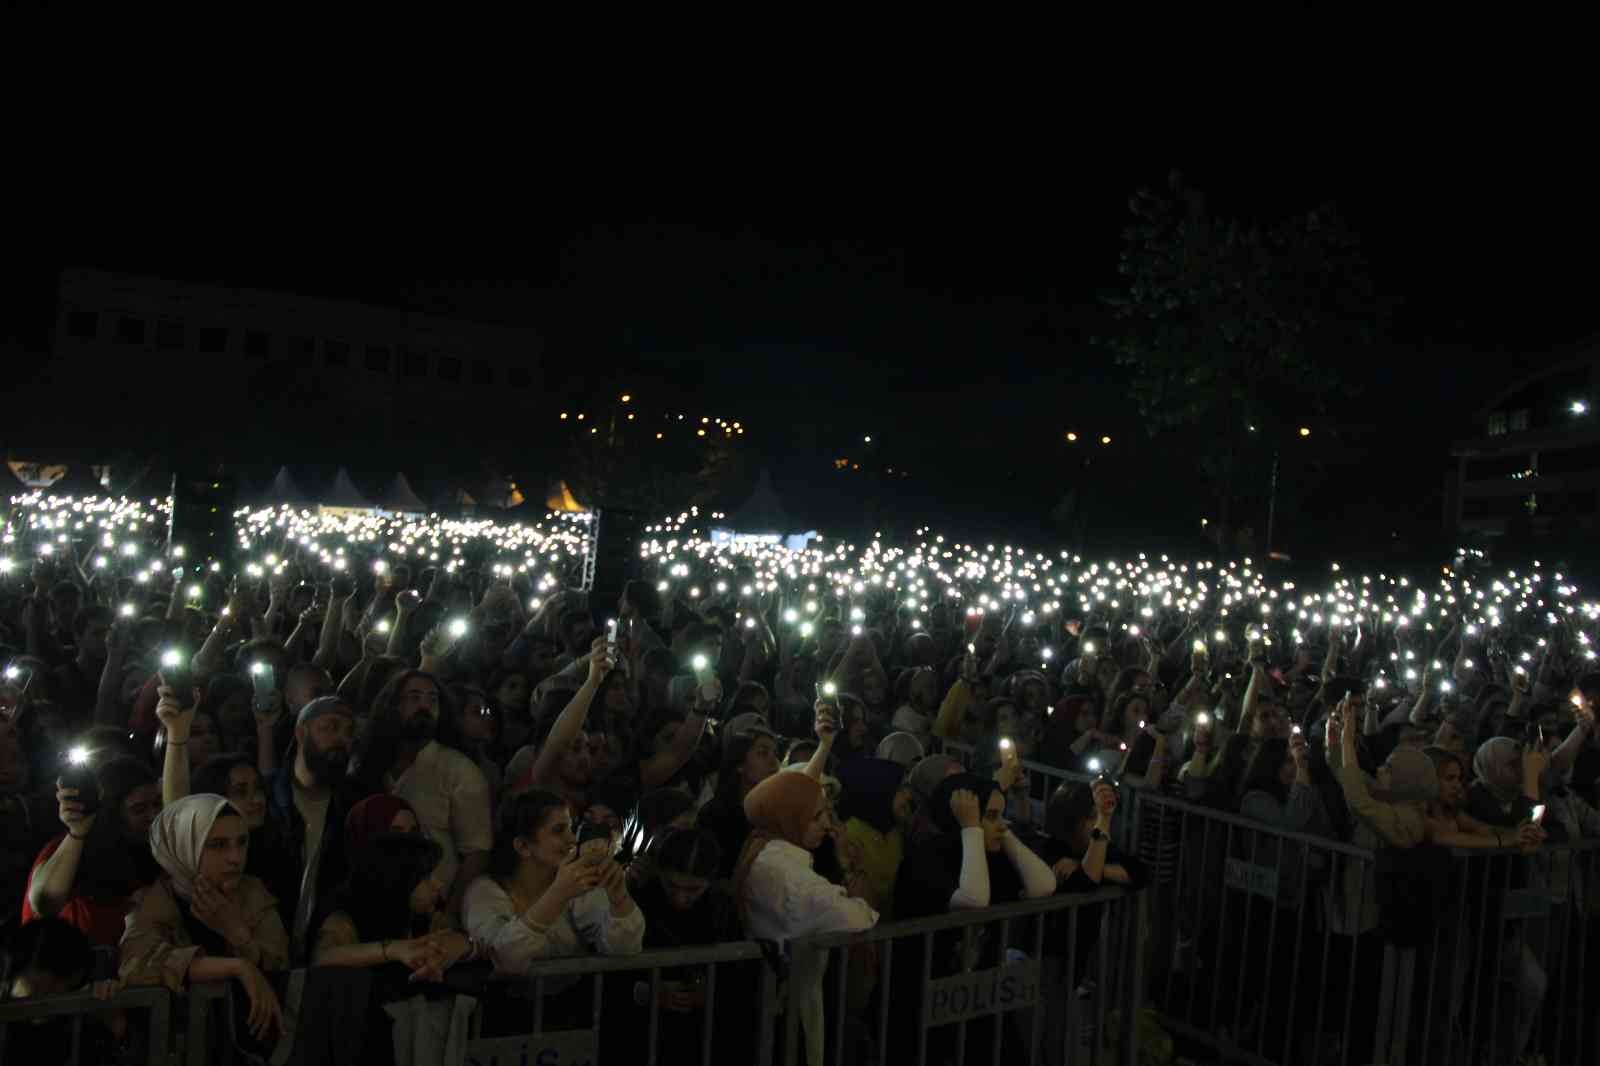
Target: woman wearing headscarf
point(973, 861)
point(1503, 798)
point(780, 896)
point(1507, 785)
point(876, 807)
point(206, 919)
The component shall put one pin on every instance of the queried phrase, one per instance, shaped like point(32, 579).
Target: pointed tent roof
point(343, 492)
point(560, 498)
point(400, 496)
point(79, 480)
point(763, 512)
point(282, 489)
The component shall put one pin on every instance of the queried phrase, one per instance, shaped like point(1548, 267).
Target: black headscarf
point(870, 785)
point(932, 871)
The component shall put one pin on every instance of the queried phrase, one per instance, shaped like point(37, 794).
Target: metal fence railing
point(1053, 980)
point(1276, 947)
point(718, 1007)
point(152, 1007)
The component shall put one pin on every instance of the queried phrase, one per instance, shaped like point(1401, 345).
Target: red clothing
point(101, 920)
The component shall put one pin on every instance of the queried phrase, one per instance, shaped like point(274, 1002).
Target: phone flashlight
point(700, 662)
point(126, 610)
point(611, 638)
point(1005, 743)
point(1094, 765)
point(1202, 718)
point(12, 673)
point(1295, 730)
point(1538, 813)
point(383, 625)
point(1199, 647)
point(829, 688)
point(458, 628)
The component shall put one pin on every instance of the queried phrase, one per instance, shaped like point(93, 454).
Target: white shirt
point(451, 798)
point(586, 925)
point(786, 898)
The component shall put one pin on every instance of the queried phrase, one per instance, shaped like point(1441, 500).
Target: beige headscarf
point(178, 836)
point(779, 808)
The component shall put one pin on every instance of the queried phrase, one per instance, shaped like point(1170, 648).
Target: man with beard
point(307, 804)
point(407, 754)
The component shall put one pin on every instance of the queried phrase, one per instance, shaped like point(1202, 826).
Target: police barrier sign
point(574, 1048)
point(972, 995)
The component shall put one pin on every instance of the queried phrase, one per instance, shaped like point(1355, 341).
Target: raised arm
point(569, 723)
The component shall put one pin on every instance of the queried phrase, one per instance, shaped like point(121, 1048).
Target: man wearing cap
point(305, 798)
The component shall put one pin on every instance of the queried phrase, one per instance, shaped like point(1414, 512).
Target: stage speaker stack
point(202, 514)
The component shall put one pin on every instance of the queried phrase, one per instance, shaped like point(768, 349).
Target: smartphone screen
point(1538, 813)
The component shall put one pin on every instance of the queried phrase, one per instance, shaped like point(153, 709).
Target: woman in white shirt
point(780, 896)
point(542, 900)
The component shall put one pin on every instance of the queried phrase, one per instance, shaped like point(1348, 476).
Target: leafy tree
point(1234, 333)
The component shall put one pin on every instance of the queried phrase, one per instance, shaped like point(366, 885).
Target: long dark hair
point(113, 865)
point(519, 817)
point(377, 896)
point(1262, 773)
point(694, 852)
point(727, 796)
point(385, 733)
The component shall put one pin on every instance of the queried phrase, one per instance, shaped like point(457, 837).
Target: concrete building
point(1535, 455)
point(386, 377)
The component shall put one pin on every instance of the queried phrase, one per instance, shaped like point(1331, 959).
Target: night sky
point(957, 318)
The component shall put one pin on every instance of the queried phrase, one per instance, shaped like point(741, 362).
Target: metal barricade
point(1292, 948)
point(77, 1006)
point(970, 986)
point(1269, 931)
point(1502, 969)
point(590, 1042)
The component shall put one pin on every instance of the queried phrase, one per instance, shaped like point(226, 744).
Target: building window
point(521, 379)
point(449, 368)
point(130, 330)
point(337, 353)
point(1518, 420)
point(1497, 424)
point(257, 343)
point(169, 335)
point(213, 340)
point(482, 373)
point(84, 325)
point(378, 358)
point(413, 364)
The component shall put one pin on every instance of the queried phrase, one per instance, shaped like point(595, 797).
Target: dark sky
point(930, 301)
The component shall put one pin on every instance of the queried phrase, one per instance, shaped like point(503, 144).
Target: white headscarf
point(178, 835)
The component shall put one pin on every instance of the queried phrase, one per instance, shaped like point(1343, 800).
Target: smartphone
point(77, 771)
point(594, 843)
point(1538, 813)
point(611, 640)
point(175, 675)
point(261, 679)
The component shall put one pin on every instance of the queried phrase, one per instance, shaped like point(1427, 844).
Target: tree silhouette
point(1234, 332)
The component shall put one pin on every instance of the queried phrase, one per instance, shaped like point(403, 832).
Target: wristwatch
point(1096, 833)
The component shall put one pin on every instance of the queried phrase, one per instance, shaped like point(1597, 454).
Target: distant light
point(1105, 440)
point(563, 416)
point(580, 416)
point(1305, 431)
point(699, 432)
point(867, 440)
point(1579, 407)
point(626, 397)
point(1072, 438)
point(660, 435)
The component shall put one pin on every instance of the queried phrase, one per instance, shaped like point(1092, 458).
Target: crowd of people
point(399, 761)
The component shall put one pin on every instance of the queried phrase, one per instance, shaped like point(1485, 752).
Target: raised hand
point(964, 805)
